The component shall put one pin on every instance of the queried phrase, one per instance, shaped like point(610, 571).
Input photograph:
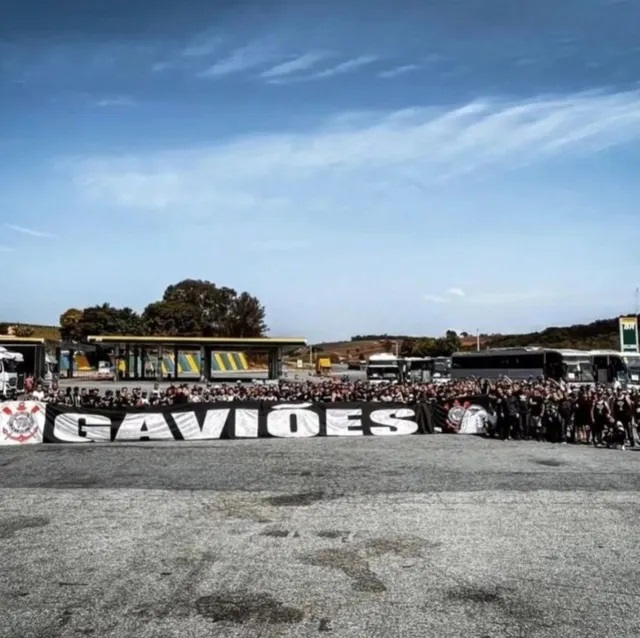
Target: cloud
point(6, 249)
point(301, 63)
point(397, 71)
point(243, 59)
point(115, 101)
point(347, 66)
point(27, 231)
point(455, 292)
point(346, 155)
point(436, 298)
point(202, 46)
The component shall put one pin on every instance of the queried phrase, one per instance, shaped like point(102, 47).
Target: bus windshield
point(383, 372)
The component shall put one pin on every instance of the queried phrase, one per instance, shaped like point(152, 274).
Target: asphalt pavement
point(442, 536)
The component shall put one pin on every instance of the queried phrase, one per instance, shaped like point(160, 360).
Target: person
point(536, 412)
point(600, 414)
point(623, 413)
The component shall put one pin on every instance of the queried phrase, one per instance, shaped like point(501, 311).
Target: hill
point(597, 335)
point(50, 333)
point(602, 334)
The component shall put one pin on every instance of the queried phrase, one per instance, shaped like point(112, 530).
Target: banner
point(465, 415)
point(21, 422)
point(628, 334)
point(193, 421)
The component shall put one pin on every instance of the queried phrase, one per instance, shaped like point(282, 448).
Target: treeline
point(190, 308)
point(598, 335)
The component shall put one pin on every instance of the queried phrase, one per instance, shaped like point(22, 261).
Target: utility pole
point(636, 304)
point(478, 339)
point(311, 355)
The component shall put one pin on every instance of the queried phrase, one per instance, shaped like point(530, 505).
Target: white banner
point(21, 422)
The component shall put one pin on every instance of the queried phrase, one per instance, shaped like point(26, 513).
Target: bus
point(441, 369)
point(419, 368)
point(632, 359)
point(571, 366)
point(384, 368)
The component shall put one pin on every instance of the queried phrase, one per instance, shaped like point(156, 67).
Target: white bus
point(384, 368)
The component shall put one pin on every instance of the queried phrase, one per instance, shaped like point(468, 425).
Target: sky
point(394, 167)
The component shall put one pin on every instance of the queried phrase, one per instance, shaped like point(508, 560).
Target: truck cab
point(11, 381)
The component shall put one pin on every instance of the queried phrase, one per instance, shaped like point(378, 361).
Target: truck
point(11, 381)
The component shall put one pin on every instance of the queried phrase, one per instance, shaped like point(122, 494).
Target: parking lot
point(408, 536)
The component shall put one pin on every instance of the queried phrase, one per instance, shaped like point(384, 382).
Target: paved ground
point(438, 536)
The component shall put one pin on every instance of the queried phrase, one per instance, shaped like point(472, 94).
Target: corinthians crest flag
point(21, 422)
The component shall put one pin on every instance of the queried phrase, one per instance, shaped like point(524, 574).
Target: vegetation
point(598, 335)
point(190, 308)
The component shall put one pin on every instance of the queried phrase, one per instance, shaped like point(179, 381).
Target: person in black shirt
point(513, 415)
point(600, 415)
point(536, 412)
point(566, 408)
point(502, 416)
point(623, 412)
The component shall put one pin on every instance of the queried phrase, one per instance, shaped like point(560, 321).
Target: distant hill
point(598, 335)
point(50, 333)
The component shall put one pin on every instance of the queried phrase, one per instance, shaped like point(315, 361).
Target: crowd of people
point(525, 410)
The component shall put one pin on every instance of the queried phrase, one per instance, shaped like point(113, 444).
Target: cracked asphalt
point(440, 536)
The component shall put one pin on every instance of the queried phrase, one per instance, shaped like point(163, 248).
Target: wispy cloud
point(203, 46)
point(6, 249)
point(397, 71)
point(449, 295)
point(348, 66)
point(115, 101)
point(300, 63)
point(27, 231)
point(243, 59)
point(436, 298)
point(490, 298)
point(351, 153)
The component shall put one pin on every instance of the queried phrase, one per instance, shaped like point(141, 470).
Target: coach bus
point(419, 368)
point(632, 360)
point(571, 366)
point(384, 368)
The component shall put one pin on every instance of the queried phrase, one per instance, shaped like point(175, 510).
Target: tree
point(23, 331)
point(201, 308)
point(70, 325)
point(245, 317)
point(107, 320)
point(171, 318)
point(210, 305)
point(4, 328)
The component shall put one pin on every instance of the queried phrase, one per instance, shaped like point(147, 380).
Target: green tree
point(245, 317)
point(171, 318)
point(210, 304)
point(107, 320)
point(201, 308)
point(70, 325)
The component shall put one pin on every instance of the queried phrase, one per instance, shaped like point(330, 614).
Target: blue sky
point(408, 168)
